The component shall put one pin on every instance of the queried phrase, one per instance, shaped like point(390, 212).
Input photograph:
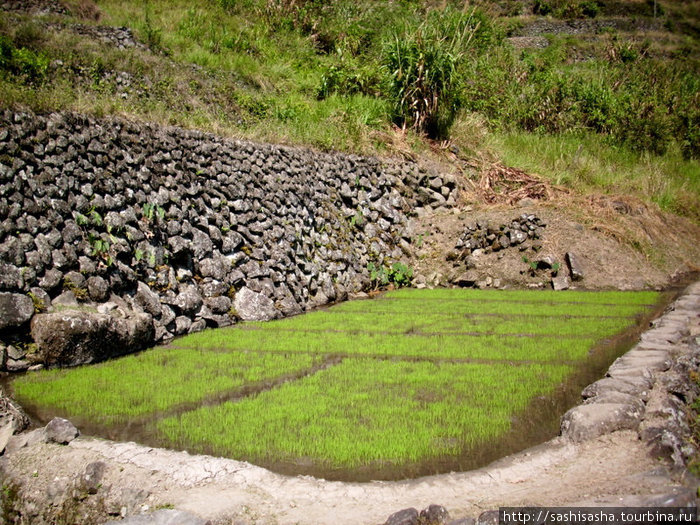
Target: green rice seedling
point(154, 381)
point(369, 322)
point(367, 411)
point(434, 346)
point(476, 306)
point(425, 376)
point(530, 296)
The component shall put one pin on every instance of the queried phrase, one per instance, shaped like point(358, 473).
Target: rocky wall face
point(187, 228)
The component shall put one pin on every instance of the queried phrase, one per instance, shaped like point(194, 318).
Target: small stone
point(91, 479)
point(467, 279)
point(489, 517)
point(60, 431)
point(15, 309)
point(434, 515)
point(404, 517)
point(560, 282)
point(575, 269)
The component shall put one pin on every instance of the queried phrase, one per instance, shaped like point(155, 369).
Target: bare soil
point(612, 469)
point(620, 243)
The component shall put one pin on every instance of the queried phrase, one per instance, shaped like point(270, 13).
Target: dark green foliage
point(22, 62)
point(423, 67)
point(643, 103)
point(397, 274)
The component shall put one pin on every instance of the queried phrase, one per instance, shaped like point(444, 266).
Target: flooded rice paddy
point(412, 383)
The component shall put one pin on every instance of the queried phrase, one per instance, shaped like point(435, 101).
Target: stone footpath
point(627, 444)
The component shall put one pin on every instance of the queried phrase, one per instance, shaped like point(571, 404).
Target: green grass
point(428, 324)
point(408, 378)
point(588, 163)
point(622, 119)
point(369, 412)
point(536, 309)
point(154, 381)
point(442, 346)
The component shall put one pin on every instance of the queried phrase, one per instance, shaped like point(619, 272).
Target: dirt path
point(610, 468)
point(557, 473)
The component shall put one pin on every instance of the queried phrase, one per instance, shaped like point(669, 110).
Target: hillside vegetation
point(601, 96)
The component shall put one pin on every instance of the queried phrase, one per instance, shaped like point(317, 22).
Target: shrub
point(422, 66)
point(22, 61)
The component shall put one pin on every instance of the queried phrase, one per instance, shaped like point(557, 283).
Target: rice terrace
point(301, 262)
point(415, 382)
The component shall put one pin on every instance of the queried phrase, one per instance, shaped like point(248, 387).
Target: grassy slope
point(313, 75)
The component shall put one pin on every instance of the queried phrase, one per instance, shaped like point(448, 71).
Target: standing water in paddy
point(413, 383)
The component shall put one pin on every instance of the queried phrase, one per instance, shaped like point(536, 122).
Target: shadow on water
point(536, 424)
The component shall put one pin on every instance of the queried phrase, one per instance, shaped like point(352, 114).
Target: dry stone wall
point(165, 231)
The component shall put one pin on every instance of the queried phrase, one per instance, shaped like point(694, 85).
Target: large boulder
point(76, 337)
point(253, 306)
point(15, 309)
point(586, 422)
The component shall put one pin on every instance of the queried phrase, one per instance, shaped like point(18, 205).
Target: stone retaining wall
point(164, 231)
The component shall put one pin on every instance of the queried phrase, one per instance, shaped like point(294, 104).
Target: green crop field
point(410, 379)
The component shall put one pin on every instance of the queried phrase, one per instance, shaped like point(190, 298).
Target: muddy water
point(537, 424)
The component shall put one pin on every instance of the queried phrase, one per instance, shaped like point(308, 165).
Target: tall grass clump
point(423, 66)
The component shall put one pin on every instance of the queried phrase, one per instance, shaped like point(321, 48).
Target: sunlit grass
point(153, 381)
point(366, 411)
point(437, 346)
point(530, 296)
point(587, 164)
point(446, 323)
point(423, 374)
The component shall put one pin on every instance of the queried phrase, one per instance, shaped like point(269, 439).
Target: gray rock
point(77, 337)
point(634, 386)
point(253, 306)
point(147, 299)
point(74, 279)
point(434, 515)
point(60, 431)
point(586, 422)
point(162, 517)
point(218, 305)
point(216, 268)
point(10, 277)
point(15, 309)
point(617, 398)
point(51, 279)
point(560, 282)
point(91, 478)
point(545, 263)
point(488, 517)
point(201, 244)
point(466, 279)
point(404, 517)
point(575, 268)
point(182, 325)
point(289, 306)
point(98, 288)
point(188, 300)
